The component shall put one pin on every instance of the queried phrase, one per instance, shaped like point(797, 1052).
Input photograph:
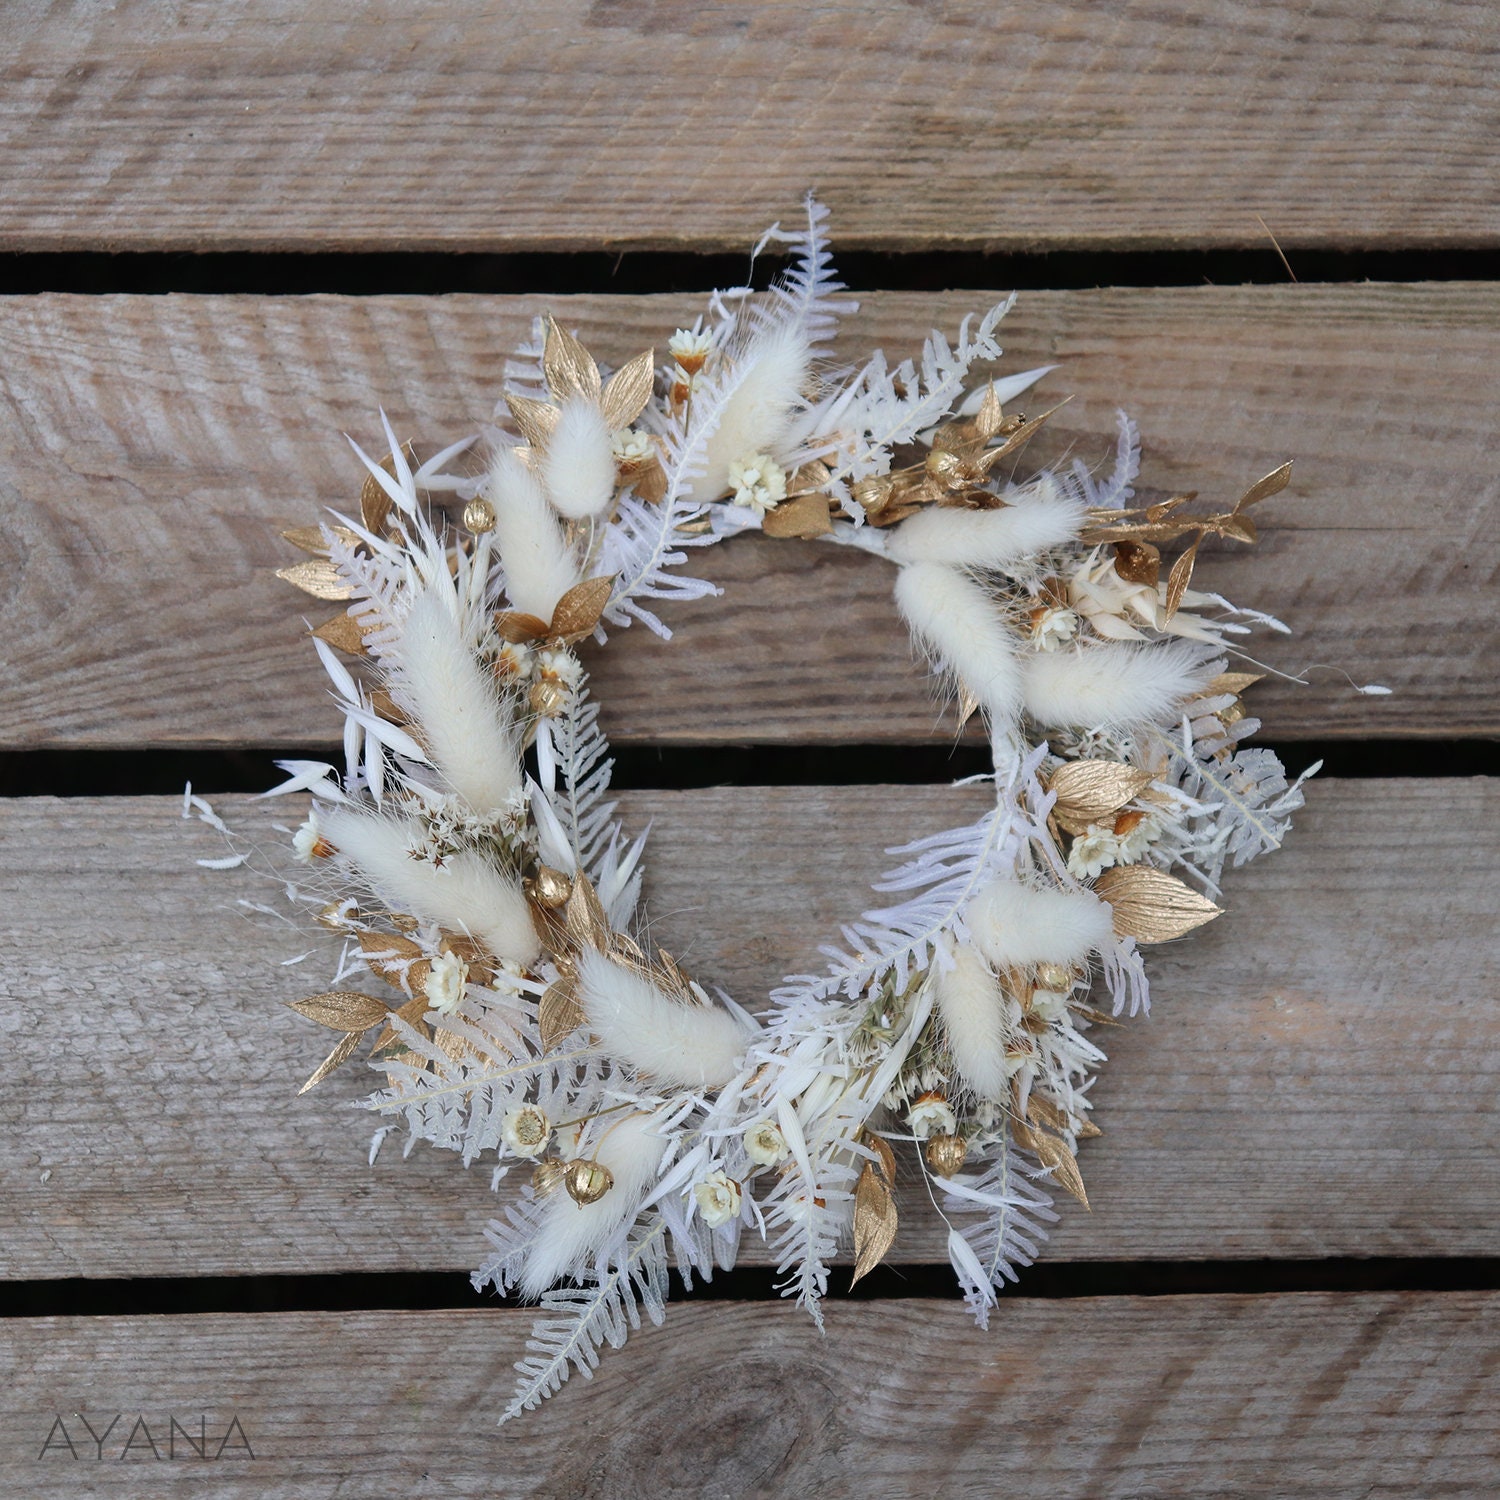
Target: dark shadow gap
point(382, 273)
point(427, 1291)
point(139, 773)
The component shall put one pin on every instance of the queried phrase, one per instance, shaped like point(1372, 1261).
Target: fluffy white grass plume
point(468, 732)
point(969, 1002)
point(758, 417)
point(1114, 685)
point(571, 1234)
point(958, 623)
point(467, 895)
point(672, 1043)
point(539, 565)
point(578, 467)
point(1016, 926)
point(1035, 519)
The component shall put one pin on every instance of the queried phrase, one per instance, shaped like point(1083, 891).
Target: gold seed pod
point(1055, 977)
point(479, 516)
point(946, 1153)
point(548, 698)
point(551, 887)
point(587, 1181)
point(1233, 713)
point(546, 1175)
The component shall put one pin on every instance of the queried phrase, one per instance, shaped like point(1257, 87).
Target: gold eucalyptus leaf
point(1273, 483)
point(344, 632)
point(629, 389)
point(805, 516)
point(558, 1013)
point(536, 419)
point(348, 1044)
point(874, 1221)
point(1152, 906)
point(578, 610)
point(1089, 791)
point(412, 1013)
point(311, 538)
point(1231, 682)
point(518, 628)
point(374, 504)
point(319, 578)
point(342, 1010)
point(1179, 577)
point(1053, 1152)
point(569, 367)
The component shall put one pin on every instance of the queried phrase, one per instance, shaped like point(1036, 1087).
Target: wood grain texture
point(151, 447)
point(1314, 1397)
point(1316, 1078)
point(566, 124)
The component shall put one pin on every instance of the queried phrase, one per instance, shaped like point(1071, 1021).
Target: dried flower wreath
point(469, 855)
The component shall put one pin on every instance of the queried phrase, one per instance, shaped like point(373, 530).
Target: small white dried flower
point(765, 1145)
point(445, 983)
point(690, 348)
point(1137, 839)
point(1050, 628)
point(718, 1197)
point(526, 1130)
point(631, 446)
point(1049, 1005)
point(1095, 849)
point(308, 842)
point(559, 666)
point(758, 483)
point(931, 1115)
point(513, 660)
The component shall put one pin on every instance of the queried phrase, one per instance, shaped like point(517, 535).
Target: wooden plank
point(1325, 1397)
point(151, 447)
point(589, 123)
point(1314, 1080)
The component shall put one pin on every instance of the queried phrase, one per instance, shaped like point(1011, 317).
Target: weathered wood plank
point(1316, 1078)
point(1324, 1397)
point(584, 123)
point(151, 447)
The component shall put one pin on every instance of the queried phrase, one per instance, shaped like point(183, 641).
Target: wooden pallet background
point(1288, 1284)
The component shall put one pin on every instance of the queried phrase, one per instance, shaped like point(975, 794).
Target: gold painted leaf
point(1089, 791)
point(518, 627)
point(319, 578)
point(536, 419)
point(990, 416)
point(874, 1221)
point(579, 609)
point(805, 516)
point(882, 1148)
point(558, 1013)
point(348, 1044)
point(344, 632)
point(1017, 439)
point(1231, 682)
point(568, 366)
point(310, 538)
point(628, 391)
point(1152, 906)
point(412, 1013)
point(1045, 1112)
point(587, 925)
point(374, 504)
point(1273, 483)
point(342, 1010)
point(1053, 1152)
point(1179, 577)
point(1241, 528)
point(454, 1047)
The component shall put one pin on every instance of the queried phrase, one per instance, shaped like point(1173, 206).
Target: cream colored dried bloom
point(931, 1115)
point(445, 983)
point(758, 483)
point(1118, 608)
point(513, 661)
point(631, 447)
point(718, 1197)
point(308, 842)
point(1093, 850)
point(526, 1130)
point(765, 1145)
point(560, 666)
point(1050, 628)
point(690, 349)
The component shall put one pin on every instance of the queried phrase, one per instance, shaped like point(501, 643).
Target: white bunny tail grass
point(758, 416)
point(672, 1043)
point(1017, 926)
point(1114, 685)
point(1035, 519)
point(578, 466)
point(539, 565)
point(972, 1011)
point(957, 622)
point(468, 733)
point(571, 1234)
point(467, 895)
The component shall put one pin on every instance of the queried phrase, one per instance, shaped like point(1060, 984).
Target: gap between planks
point(1314, 1080)
point(593, 124)
point(153, 446)
point(1326, 1397)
